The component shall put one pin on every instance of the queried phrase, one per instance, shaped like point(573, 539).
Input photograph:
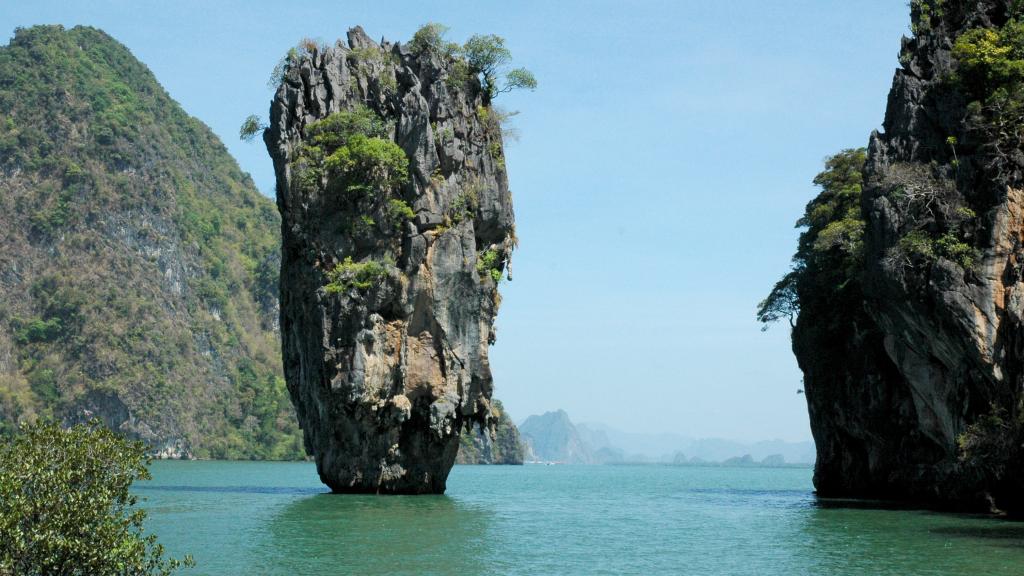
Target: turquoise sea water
point(257, 518)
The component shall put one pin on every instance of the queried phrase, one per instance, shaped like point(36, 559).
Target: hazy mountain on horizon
point(554, 437)
point(664, 446)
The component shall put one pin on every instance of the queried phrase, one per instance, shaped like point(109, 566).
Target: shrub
point(351, 147)
point(990, 73)
point(489, 262)
point(519, 78)
point(368, 165)
point(926, 10)
point(398, 212)
point(918, 244)
point(950, 246)
point(334, 131)
point(366, 55)
point(65, 505)
point(465, 205)
point(359, 275)
point(966, 213)
point(990, 447)
point(989, 58)
point(280, 70)
point(430, 38)
point(37, 330)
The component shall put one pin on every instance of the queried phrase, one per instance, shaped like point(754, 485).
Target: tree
point(782, 302)
point(65, 505)
point(430, 38)
point(250, 128)
point(487, 55)
point(829, 256)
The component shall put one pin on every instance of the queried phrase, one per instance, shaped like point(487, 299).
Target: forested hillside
point(138, 263)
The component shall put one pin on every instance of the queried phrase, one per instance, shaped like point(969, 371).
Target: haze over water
point(274, 518)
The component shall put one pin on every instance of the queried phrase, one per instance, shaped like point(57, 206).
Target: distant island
point(552, 437)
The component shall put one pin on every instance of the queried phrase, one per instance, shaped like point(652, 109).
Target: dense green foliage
point(483, 55)
point(147, 261)
point(926, 12)
point(349, 152)
point(358, 275)
point(991, 60)
point(350, 156)
point(486, 55)
point(829, 257)
point(489, 263)
point(367, 165)
point(431, 38)
point(990, 74)
point(65, 505)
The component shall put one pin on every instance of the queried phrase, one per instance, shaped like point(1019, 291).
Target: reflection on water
point(849, 537)
point(1009, 534)
point(143, 488)
point(358, 534)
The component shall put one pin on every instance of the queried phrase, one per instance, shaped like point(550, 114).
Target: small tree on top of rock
point(487, 55)
point(483, 54)
point(430, 38)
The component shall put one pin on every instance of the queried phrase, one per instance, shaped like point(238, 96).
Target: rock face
point(386, 356)
point(552, 437)
point(500, 445)
point(895, 380)
point(138, 263)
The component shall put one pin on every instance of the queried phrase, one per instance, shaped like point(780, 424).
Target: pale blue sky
point(661, 165)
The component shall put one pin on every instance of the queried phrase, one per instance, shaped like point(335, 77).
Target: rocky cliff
point(501, 444)
point(911, 301)
point(138, 264)
point(552, 437)
point(397, 227)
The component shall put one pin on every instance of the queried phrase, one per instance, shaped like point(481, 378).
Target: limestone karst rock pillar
point(390, 260)
point(897, 384)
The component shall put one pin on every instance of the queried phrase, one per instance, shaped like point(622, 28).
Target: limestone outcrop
point(901, 381)
point(397, 227)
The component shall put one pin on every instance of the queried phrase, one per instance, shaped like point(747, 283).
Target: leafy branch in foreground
point(65, 505)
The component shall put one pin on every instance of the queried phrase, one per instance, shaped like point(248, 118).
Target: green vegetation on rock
point(990, 75)
point(147, 261)
point(483, 56)
point(829, 258)
point(358, 275)
point(66, 508)
point(489, 263)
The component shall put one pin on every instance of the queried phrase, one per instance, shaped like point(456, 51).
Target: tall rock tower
point(397, 227)
point(914, 376)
